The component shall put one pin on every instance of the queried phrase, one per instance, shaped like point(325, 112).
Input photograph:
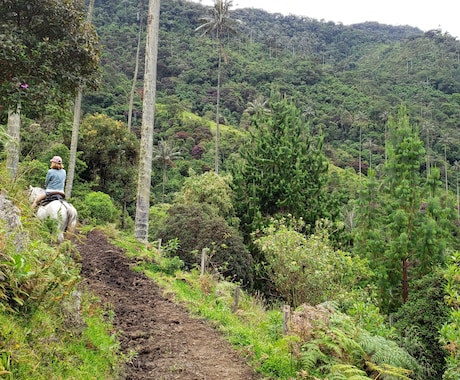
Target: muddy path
point(169, 343)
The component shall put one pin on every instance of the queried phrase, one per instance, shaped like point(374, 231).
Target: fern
point(341, 350)
point(385, 352)
point(349, 347)
point(311, 356)
point(347, 372)
point(388, 372)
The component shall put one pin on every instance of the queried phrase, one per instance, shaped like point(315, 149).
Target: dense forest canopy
point(340, 76)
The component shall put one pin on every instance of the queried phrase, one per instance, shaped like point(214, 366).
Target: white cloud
point(439, 14)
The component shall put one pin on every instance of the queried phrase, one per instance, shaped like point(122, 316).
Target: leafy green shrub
point(166, 261)
point(166, 265)
point(210, 189)
point(450, 331)
point(197, 226)
point(84, 211)
point(420, 330)
point(307, 270)
point(79, 192)
point(158, 213)
point(101, 207)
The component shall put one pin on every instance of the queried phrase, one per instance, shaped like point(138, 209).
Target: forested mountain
point(338, 152)
point(346, 79)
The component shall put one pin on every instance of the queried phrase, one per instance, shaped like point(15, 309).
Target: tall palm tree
point(215, 25)
point(361, 119)
point(428, 128)
point(165, 154)
point(384, 120)
point(76, 123)
point(148, 112)
point(136, 68)
point(447, 140)
point(457, 170)
point(369, 144)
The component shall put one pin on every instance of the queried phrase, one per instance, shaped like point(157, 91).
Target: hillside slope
point(344, 78)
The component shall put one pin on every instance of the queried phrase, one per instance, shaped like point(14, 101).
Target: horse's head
point(34, 192)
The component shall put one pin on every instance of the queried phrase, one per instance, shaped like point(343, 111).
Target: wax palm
point(148, 118)
point(165, 154)
point(215, 25)
point(258, 107)
point(457, 170)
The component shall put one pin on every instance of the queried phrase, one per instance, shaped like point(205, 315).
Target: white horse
point(60, 210)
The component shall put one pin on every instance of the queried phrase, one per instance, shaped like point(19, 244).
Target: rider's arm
point(48, 178)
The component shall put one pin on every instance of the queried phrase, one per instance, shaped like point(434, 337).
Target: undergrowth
point(49, 327)
point(322, 342)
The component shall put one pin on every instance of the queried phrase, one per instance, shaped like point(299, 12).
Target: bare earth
point(170, 344)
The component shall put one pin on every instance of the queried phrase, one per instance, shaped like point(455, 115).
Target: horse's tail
point(72, 219)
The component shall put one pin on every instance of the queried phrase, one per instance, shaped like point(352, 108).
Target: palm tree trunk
point(164, 184)
point(405, 281)
point(73, 144)
point(148, 113)
point(360, 150)
point(458, 199)
point(445, 169)
point(76, 124)
point(136, 70)
point(216, 158)
point(12, 148)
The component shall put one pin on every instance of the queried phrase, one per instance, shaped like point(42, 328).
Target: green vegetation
point(50, 327)
point(307, 269)
point(100, 208)
point(450, 329)
point(51, 344)
point(336, 194)
point(321, 340)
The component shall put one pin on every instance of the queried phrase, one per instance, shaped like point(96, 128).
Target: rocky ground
point(169, 343)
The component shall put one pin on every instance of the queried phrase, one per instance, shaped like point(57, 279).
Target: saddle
point(51, 197)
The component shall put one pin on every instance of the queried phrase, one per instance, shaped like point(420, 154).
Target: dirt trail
point(169, 343)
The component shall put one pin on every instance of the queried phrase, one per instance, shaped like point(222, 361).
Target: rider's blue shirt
point(55, 180)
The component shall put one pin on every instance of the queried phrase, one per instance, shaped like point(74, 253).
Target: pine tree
point(283, 168)
point(403, 228)
point(405, 155)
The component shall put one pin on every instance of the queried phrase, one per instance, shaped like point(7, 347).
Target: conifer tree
point(403, 228)
point(283, 168)
point(405, 155)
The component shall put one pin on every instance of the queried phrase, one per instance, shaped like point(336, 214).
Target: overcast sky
point(423, 14)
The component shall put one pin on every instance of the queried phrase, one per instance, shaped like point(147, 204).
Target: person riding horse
point(54, 182)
